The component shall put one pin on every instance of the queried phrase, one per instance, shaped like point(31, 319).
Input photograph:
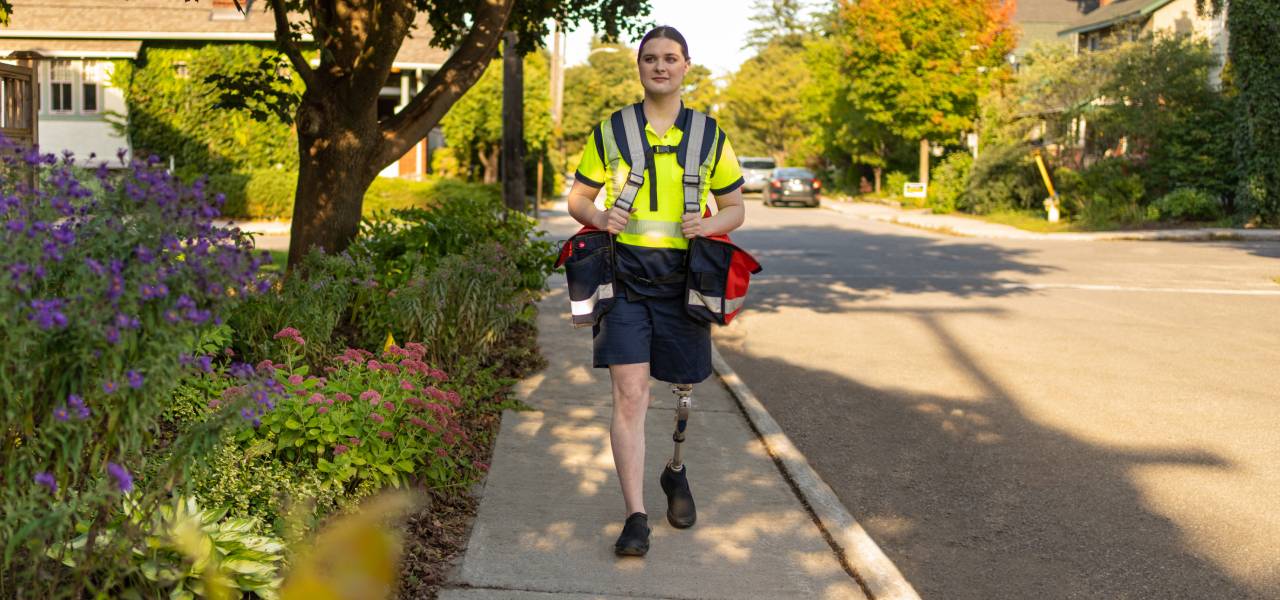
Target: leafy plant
point(948, 181)
point(190, 552)
point(110, 287)
point(1188, 204)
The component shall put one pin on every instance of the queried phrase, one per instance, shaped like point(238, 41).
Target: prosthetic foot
point(675, 477)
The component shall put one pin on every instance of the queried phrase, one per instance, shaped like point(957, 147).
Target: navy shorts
point(657, 331)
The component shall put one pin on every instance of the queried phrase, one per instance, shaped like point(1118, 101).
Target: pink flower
point(339, 449)
point(415, 402)
point(436, 393)
point(331, 370)
point(316, 398)
point(322, 410)
point(390, 368)
point(454, 398)
point(449, 438)
point(373, 365)
point(388, 406)
point(292, 335)
point(419, 422)
point(480, 465)
point(415, 350)
point(342, 397)
point(295, 379)
point(384, 434)
point(354, 441)
point(371, 396)
point(442, 453)
point(229, 352)
point(376, 418)
point(406, 385)
point(432, 428)
point(438, 375)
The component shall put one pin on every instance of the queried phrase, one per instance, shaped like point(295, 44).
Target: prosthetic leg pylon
point(675, 477)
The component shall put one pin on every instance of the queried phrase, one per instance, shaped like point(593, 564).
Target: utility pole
point(512, 124)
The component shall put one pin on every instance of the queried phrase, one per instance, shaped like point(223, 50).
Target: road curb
point(984, 230)
point(855, 548)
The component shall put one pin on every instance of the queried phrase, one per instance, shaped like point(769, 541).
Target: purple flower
point(124, 481)
point(241, 370)
point(151, 292)
point(46, 479)
point(95, 267)
point(128, 322)
point(48, 314)
point(76, 403)
point(205, 363)
point(135, 379)
point(60, 413)
point(15, 226)
point(112, 335)
point(144, 254)
point(110, 387)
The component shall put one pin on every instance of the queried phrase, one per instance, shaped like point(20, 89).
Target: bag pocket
point(705, 285)
point(589, 273)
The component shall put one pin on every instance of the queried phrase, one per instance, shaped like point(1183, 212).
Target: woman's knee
point(631, 397)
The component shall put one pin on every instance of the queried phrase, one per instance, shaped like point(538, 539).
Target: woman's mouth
point(661, 78)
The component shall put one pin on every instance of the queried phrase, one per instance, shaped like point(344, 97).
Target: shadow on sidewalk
point(977, 500)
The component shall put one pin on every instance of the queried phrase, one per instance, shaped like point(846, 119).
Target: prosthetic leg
point(675, 477)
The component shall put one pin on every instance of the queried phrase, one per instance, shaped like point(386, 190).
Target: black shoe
point(634, 540)
point(675, 484)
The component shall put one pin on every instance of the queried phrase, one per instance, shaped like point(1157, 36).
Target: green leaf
point(293, 424)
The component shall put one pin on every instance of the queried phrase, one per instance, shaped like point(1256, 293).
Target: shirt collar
point(682, 119)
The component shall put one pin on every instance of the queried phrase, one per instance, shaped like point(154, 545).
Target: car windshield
point(757, 164)
point(793, 174)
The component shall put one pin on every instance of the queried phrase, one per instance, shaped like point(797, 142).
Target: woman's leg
point(626, 431)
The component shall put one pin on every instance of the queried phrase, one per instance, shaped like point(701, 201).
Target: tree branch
point(284, 38)
point(404, 129)
point(382, 43)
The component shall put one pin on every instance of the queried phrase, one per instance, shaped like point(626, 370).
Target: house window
point(180, 70)
point(91, 86)
point(61, 82)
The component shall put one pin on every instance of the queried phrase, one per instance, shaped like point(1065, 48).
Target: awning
point(72, 48)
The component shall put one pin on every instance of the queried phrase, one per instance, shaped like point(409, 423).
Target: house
point(1128, 20)
point(1041, 20)
point(78, 40)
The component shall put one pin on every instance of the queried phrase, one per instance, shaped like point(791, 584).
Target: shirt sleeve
point(591, 167)
point(726, 173)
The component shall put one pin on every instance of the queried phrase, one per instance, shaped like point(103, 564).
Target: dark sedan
point(793, 185)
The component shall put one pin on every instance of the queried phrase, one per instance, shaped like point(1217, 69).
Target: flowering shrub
point(108, 283)
point(369, 422)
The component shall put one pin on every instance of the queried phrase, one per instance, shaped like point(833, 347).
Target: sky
point(715, 29)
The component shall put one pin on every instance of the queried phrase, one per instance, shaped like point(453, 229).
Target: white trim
point(266, 36)
point(89, 54)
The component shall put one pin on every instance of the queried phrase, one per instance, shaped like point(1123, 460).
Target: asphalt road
point(1028, 419)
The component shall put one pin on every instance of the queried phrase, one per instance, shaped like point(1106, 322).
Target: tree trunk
point(337, 163)
point(924, 162)
point(489, 160)
point(512, 124)
point(878, 171)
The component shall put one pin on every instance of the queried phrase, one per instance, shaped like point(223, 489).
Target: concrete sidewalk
point(551, 506)
point(968, 227)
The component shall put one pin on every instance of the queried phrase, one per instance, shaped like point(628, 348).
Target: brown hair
point(664, 32)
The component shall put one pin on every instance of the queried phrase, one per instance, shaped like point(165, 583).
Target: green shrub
point(269, 193)
point(948, 181)
point(1188, 204)
point(1003, 177)
point(462, 305)
point(1111, 194)
point(894, 182)
point(316, 305)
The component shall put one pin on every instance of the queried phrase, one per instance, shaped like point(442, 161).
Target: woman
point(647, 332)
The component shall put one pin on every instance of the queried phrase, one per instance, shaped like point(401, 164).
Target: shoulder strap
point(692, 157)
point(632, 139)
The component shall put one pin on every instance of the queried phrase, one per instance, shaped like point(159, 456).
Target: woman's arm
point(730, 213)
point(582, 207)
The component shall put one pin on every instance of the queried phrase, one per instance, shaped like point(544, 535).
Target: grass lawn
point(1026, 221)
point(279, 258)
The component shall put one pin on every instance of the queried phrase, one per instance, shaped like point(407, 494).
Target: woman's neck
point(661, 111)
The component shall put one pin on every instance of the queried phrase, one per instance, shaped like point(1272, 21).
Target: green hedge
point(268, 193)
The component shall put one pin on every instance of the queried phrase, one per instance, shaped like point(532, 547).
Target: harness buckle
point(636, 179)
point(692, 179)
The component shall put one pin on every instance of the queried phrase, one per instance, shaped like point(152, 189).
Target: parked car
point(792, 184)
point(756, 172)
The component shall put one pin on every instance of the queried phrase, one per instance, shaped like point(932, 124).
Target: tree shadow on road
point(828, 267)
point(978, 500)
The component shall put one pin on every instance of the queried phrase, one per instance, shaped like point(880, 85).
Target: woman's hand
point(691, 225)
point(613, 220)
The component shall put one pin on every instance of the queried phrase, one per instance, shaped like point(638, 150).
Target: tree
point(342, 144)
point(777, 21)
point(593, 91)
point(910, 69)
point(762, 106)
point(473, 126)
point(1254, 66)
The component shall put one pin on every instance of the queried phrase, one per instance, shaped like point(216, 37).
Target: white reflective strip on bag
point(716, 304)
point(654, 229)
point(584, 307)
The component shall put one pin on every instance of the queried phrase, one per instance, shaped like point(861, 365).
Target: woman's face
point(662, 67)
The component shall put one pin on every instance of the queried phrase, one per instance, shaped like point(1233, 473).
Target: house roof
point(85, 21)
point(1049, 11)
point(1116, 12)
